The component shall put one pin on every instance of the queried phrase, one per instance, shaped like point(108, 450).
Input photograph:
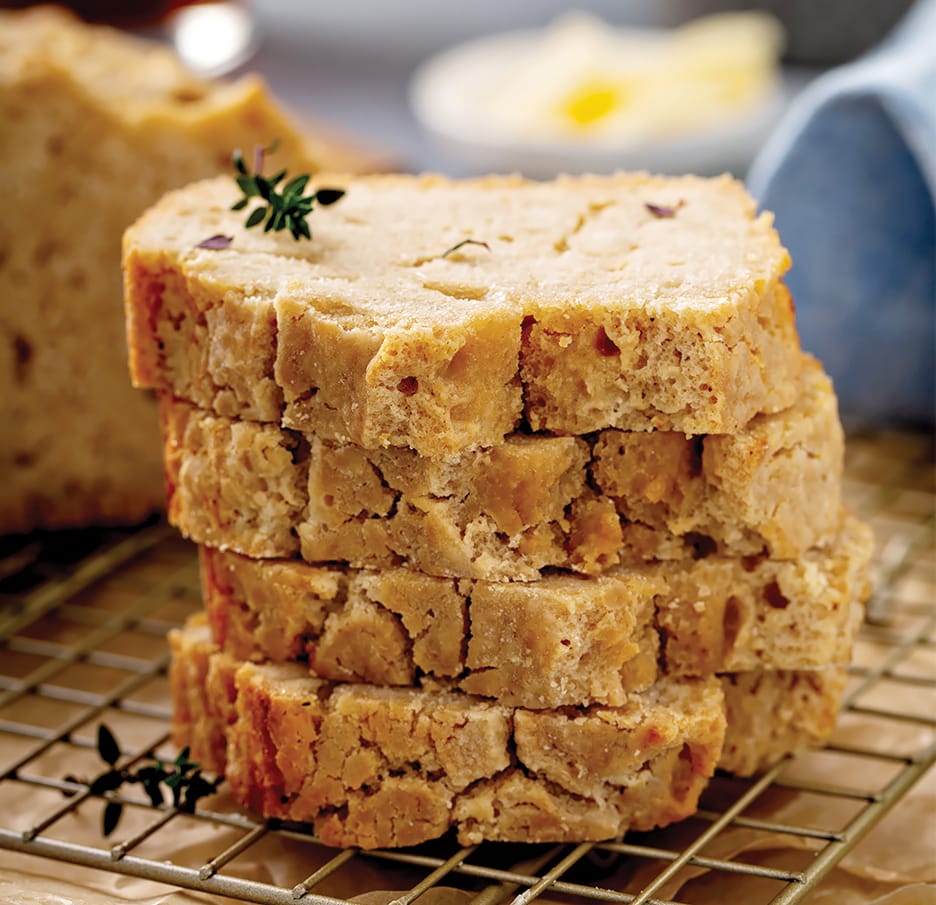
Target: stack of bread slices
point(519, 505)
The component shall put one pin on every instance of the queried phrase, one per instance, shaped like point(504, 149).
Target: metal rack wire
point(83, 619)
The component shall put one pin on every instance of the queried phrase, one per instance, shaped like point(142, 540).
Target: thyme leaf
point(283, 208)
point(182, 778)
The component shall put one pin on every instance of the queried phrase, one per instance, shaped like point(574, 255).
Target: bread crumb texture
point(586, 504)
point(373, 766)
point(585, 312)
point(562, 640)
point(95, 126)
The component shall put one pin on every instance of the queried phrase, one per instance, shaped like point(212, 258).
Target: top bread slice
point(628, 301)
point(95, 126)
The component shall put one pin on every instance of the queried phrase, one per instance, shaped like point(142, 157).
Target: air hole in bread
point(605, 345)
point(775, 597)
point(77, 280)
point(700, 545)
point(695, 456)
point(731, 624)
point(299, 449)
point(408, 386)
point(55, 145)
point(22, 356)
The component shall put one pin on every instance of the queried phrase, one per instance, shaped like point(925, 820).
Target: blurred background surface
point(350, 63)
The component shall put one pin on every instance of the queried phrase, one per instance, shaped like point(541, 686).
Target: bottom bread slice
point(375, 766)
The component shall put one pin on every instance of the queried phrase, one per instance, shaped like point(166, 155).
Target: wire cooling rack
point(83, 619)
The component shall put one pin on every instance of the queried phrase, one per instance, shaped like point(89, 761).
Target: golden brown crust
point(558, 641)
point(597, 315)
point(509, 511)
point(373, 766)
point(202, 694)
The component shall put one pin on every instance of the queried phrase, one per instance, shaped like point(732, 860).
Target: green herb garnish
point(182, 778)
point(285, 208)
point(462, 244)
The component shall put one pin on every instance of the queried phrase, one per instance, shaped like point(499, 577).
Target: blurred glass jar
point(114, 12)
point(211, 37)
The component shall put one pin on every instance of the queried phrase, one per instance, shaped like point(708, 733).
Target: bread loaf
point(95, 126)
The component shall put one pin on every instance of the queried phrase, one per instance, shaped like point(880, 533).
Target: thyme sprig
point(284, 208)
point(182, 778)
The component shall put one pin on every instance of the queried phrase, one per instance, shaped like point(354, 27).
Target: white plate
point(446, 95)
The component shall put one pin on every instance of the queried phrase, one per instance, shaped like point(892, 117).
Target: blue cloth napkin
point(850, 173)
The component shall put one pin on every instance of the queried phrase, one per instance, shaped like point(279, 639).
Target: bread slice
point(627, 301)
point(95, 126)
point(562, 640)
point(372, 766)
point(773, 714)
point(509, 511)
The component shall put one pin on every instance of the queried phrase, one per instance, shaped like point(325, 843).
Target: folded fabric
point(851, 174)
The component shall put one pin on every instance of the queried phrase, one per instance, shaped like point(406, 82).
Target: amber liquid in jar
point(135, 13)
